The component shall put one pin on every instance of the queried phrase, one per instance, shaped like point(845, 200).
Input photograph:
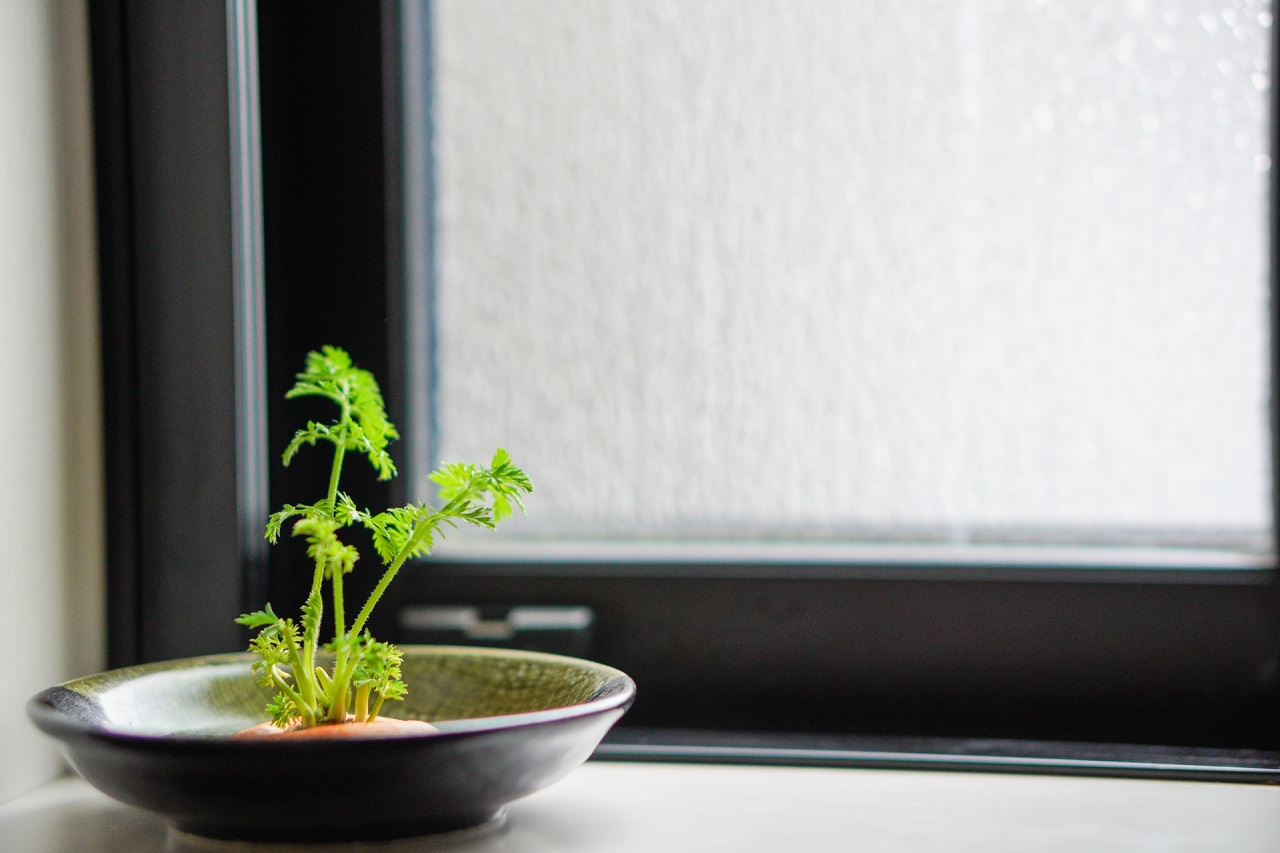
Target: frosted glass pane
point(835, 269)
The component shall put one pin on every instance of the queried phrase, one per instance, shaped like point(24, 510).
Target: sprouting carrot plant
point(363, 672)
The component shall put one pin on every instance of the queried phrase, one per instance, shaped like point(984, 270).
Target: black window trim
point(202, 237)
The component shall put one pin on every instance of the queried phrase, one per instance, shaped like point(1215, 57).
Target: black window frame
point(233, 241)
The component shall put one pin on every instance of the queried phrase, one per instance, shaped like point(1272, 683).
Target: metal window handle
point(469, 622)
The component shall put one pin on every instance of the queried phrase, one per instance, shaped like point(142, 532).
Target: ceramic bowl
point(156, 736)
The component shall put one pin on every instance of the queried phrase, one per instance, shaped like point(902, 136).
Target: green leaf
point(363, 425)
point(411, 531)
point(321, 511)
point(504, 469)
point(503, 481)
point(324, 546)
point(259, 618)
point(455, 479)
point(310, 434)
point(283, 711)
point(346, 510)
point(274, 645)
point(322, 374)
point(277, 520)
point(312, 613)
point(392, 531)
point(379, 668)
point(358, 439)
point(475, 514)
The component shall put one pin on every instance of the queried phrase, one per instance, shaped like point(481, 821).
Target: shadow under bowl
point(157, 736)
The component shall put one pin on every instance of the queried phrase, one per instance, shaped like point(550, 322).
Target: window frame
point(225, 256)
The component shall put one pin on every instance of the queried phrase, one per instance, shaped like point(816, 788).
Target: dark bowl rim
point(618, 692)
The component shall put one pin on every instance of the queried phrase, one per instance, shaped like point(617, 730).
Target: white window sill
point(624, 807)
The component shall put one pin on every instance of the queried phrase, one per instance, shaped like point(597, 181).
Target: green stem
point(337, 603)
point(334, 473)
point(335, 697)
point(378, 590)
point(311, 642)
point(344, 666)
point(362, 703)
point(302, 677)
point(338, 691)
point(308, 714)
point(338, 704)
point(343, 669)
point(325, 683)
point(339, 450)
point(419, 533)
point(340, 659)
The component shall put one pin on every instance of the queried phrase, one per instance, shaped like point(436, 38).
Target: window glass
point(930, 271)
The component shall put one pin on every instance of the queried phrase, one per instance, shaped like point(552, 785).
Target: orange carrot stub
point(381, 727)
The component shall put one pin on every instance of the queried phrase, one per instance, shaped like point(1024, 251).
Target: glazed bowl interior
point(454, 688)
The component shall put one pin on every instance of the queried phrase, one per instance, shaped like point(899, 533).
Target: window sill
point(638, 806)
point(992, 755)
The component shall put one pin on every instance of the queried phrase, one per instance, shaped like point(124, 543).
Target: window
point(1067, 646)
point(984, 272)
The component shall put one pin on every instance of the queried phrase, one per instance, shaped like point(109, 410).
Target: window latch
point(558, 629)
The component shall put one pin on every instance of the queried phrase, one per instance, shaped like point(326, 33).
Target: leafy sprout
point(363, 672)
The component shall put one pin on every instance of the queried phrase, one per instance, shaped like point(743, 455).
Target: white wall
point(51, 530)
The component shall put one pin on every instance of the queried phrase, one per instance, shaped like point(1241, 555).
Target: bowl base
point(198, 835)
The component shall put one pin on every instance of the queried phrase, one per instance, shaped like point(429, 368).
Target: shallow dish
point(156, 736)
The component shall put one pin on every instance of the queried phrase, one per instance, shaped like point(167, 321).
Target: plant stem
point(339, 450)
point(338, 693)
point(337, 603)
point(284, 688)
point(334, 473)
point(311, 641)
point(419, 532)
point(362, 703)
point(338, 690)
point(338, 702)
point(303, 678)
point(324, 682)
point(387, 576)
point(343, 670)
